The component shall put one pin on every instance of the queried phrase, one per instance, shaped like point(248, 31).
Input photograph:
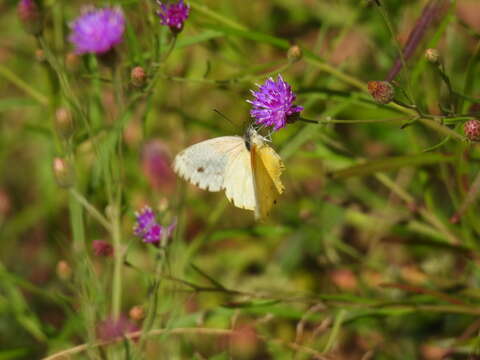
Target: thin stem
point(183, 331)
point(118, 262)
point(14, 79)
point(91, 210)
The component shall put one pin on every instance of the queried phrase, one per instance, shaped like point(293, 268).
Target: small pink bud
point(30, 16)
point(64, 122)
point(472, 130)
point(63, 172)
point(381, 91)
point(102, 248)
point(138, 76)
point(137, 313)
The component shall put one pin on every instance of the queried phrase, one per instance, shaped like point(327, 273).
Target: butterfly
point(247, 168)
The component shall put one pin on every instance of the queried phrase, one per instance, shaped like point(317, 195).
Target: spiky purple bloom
point(149, 229)
point(173, 15)
point(273, 103)
point(97, 30)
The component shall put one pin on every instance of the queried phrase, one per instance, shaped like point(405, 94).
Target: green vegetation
point(371, 252)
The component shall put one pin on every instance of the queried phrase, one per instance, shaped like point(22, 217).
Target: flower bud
point(63, 172)
point(30, 16)
point(72, 61)
point(137, 313)
point(472, 130)
point(64, 271)
point(294, 54)
point(40, 55)
point(381, 91)
point(138, 76)
point(64, 122)
point(102, 248)
point(432, 56)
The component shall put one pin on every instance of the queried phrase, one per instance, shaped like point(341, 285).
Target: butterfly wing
point(267, 168)
point(239, 187)
point(204, 164)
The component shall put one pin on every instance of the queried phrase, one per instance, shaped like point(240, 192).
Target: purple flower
point(149, 230)
point(173, 14)
point(273, 103)
point(111, 328)
point(31, 16)
point(102, 248)
point(97, 30)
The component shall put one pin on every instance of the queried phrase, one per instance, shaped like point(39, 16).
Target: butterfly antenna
point(226, 118)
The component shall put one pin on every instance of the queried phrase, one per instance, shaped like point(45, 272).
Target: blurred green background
point(359, 259)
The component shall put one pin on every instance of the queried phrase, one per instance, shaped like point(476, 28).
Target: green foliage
point(370, 253)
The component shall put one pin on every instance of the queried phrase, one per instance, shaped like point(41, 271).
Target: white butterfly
point(247, 168)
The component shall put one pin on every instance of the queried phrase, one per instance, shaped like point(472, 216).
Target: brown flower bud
point(63, 172)
point(64, 122)
point(72, 61)
point(137, 313)
point(30, 16)
point(138, 76)
point(294, 53)
point(472, 130)
point(432, 56)
point(40, 55)
point(381, 91)
point(64, 271)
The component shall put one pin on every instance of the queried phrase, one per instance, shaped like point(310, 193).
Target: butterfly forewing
point(204, 164)
point(239, 181)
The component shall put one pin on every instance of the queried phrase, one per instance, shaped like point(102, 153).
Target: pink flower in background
point(97, 30)
point(273, 103)
point(102, 248)
point(111, 328)
point(156, 166)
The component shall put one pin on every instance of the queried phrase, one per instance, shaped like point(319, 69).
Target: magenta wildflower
point(149, 229)
point(111, 329)
point(97, 30)
point(31, 16)
point(273, 104)
point(102, 248)
point(173, 15)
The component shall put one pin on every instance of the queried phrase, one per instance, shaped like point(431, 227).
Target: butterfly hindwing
point(267, 168)
point(204, 164)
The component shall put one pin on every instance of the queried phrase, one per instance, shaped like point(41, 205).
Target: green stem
point(118, 262)
point(14, 79)
point(91, 210)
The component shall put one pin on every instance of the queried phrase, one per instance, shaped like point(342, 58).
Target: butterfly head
point(252, 137)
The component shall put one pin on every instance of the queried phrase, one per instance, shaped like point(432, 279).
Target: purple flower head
point(97, 30)
point(113, 328)
point(173, 15)
point(102, 248)
point(149, 230)
point(30, 15)
point(273, 103)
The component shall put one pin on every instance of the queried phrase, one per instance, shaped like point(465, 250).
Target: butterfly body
point(247, 168)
